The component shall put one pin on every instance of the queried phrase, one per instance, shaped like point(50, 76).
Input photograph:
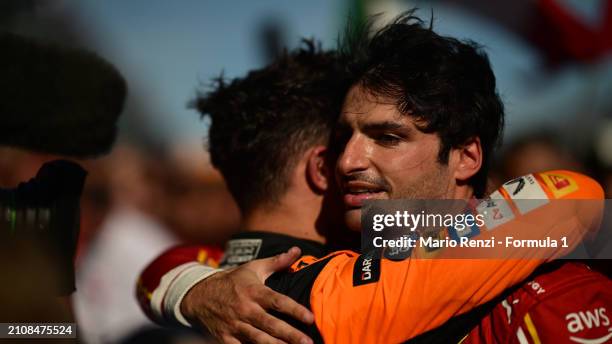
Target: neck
point(462, 192)
point(289, 218)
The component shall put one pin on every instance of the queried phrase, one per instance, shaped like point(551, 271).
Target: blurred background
point(552, 59)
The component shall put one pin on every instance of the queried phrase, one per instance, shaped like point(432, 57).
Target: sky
point(167, 49)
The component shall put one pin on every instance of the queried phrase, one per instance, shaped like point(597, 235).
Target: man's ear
point(467, 159)
point(317, 171)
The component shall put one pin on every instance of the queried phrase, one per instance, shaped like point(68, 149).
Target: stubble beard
point(431, 185)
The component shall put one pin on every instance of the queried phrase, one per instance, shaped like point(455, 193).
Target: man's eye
point(388, 139)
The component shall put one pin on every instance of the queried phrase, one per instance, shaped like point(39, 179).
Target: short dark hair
point(260, 124)
point(446, 84)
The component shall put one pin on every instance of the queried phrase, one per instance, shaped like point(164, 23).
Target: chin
point(352, 218)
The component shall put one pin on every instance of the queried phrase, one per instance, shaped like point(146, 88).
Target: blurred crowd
point(134, 206)
point(543, 149)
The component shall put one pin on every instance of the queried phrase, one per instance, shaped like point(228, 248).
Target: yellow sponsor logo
point(559, 184)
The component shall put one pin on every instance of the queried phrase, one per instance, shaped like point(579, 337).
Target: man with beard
point(419, 121)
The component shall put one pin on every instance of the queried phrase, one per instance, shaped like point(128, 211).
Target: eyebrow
point(386, 125)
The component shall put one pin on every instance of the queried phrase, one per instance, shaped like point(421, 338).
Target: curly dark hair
point(260, 124)
point(445, 83)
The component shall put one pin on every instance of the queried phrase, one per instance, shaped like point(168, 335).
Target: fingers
point(251, 299)
point(279, 329)
point(284, 260)
point(254, 335)
point(284, 304)
point(266, 267)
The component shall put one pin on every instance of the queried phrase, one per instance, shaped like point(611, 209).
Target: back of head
point(262, 123)
point(447, 85)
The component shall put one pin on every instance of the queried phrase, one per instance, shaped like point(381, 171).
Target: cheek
point(408, 170)
point(409, 160)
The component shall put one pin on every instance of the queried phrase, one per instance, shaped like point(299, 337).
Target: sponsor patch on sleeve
point(559, 184)
point(496, 211)
point(367, 268)
point(526, 188)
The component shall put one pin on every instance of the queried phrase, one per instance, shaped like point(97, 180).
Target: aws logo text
point(588, 320)
point(579, 321)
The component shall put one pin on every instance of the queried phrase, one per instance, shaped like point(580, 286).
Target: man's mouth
point(354, 193)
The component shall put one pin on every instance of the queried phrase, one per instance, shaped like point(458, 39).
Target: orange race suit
point(359, 298)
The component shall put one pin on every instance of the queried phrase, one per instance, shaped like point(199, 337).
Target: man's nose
point(354, 156)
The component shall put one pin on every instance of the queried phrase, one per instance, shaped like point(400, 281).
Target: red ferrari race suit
point(567, 304)
point(357, 298)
